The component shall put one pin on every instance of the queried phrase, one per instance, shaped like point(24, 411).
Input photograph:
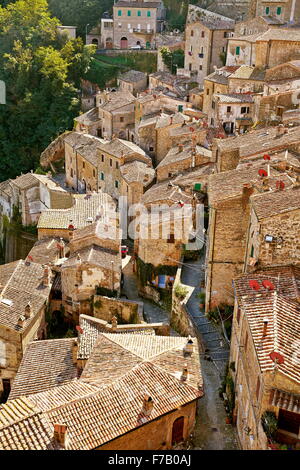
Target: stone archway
point(109, 43)
point(95, 42)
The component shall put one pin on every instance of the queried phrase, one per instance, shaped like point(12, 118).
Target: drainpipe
point(293, 11)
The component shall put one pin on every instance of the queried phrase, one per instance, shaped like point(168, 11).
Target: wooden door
point(177, 431)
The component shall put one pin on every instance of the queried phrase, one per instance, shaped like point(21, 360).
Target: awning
point(284, 400)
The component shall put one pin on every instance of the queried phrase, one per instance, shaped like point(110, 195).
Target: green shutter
point(267, 10)
point(129, 13)
point(120, 13)
point(180, 108)
point(237, 50)
point(148, 13)
point(279, 11)
point(139, 13)
point(197, 187)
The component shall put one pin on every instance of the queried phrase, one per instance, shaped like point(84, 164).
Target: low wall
point(126, 311)
point(181, 320)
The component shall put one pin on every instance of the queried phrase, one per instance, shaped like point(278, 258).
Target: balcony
point(143, 31)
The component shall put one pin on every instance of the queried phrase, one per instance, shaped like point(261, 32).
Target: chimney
point(189, 347)
point(147, 405)
point(280, 130)
point(247, 192)
point(46, 276)
point(266, 321)
point(61, 434)
point(28, 310)
point(62, 248)
point(114, 323)
point(74, 351)
point(184, 374)
point(21, 320)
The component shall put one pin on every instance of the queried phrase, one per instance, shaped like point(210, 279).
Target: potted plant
point(201, 297)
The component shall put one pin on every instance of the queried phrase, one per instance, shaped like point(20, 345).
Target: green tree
point(42, 72)
point(172, 60)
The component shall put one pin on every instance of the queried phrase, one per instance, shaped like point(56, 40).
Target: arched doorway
point(177, 430)
point(124, 43)
point(109, 43)
point(138, 43)
point(95, 42)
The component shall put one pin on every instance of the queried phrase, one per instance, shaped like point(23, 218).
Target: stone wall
point(157, 435)
point(126, 311)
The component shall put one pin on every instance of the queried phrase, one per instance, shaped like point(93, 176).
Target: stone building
point(177, 85)
point(107, 33)
point(207, 34)
point(86, 209)
point(264, 351)
point(94, 164)
point(229, 200)
point(150, 399)
point(285, 11)
point(181, 159)
point(89, 123)
point(25, 287)
point(116, 112)
point(137, 23)
point(32, 194)
point(233, 111)
point(273, 232)
point(273, 47)
point(133, 82)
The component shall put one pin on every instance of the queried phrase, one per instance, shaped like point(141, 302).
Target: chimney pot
point(184, 374)
point(189, 347)
point(21, 320)
point(147, 405)
point(28, 310)
point(114, 322)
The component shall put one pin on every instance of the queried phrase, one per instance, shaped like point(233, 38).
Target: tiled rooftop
point(283, 332)
point(86, 208)
point(209, 19)
point(137, 172)
point(132, 76)
point(45, 365)
point(277, 202)
point(21, 283)
point(95, 256)
point(124, 369)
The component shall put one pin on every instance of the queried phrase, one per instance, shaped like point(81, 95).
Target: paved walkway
point(152, 312)
point(211, 431)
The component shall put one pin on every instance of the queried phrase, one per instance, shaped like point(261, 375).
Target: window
point(6, 389)
point(192, 33)
point(151, 149)
point(94, 173)
point(102, 176)
point(213, 105)
point(148, 14)
point(252, 251)
point(245, 110)
point(180, 108)
point(117, 165)
point(121, 119)
point(225, 35)
point(110, 162)
point(102, 158)
point(116, 184)
point(267, 10)
point(237, 50)
point(71, 172)
point(202, 34)
point(200, 67)
point(139, 13)
point(207, 91)
point(129, 13)
point(171, 238)
point(83, 164)
point(119, 12)
point(257, 388)
point(278, 11)
point(238, 315)
point(228, 109)
point(190, 67)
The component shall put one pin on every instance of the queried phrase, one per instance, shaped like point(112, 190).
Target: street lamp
point(86, 33)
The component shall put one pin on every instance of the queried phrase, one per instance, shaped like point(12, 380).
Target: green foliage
point(80, 13)
point(146, 271)
point(14, 225)
point(181, 291)
point(57, 327)
point(269, 423)
point(42, 71)
point(172, 60)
